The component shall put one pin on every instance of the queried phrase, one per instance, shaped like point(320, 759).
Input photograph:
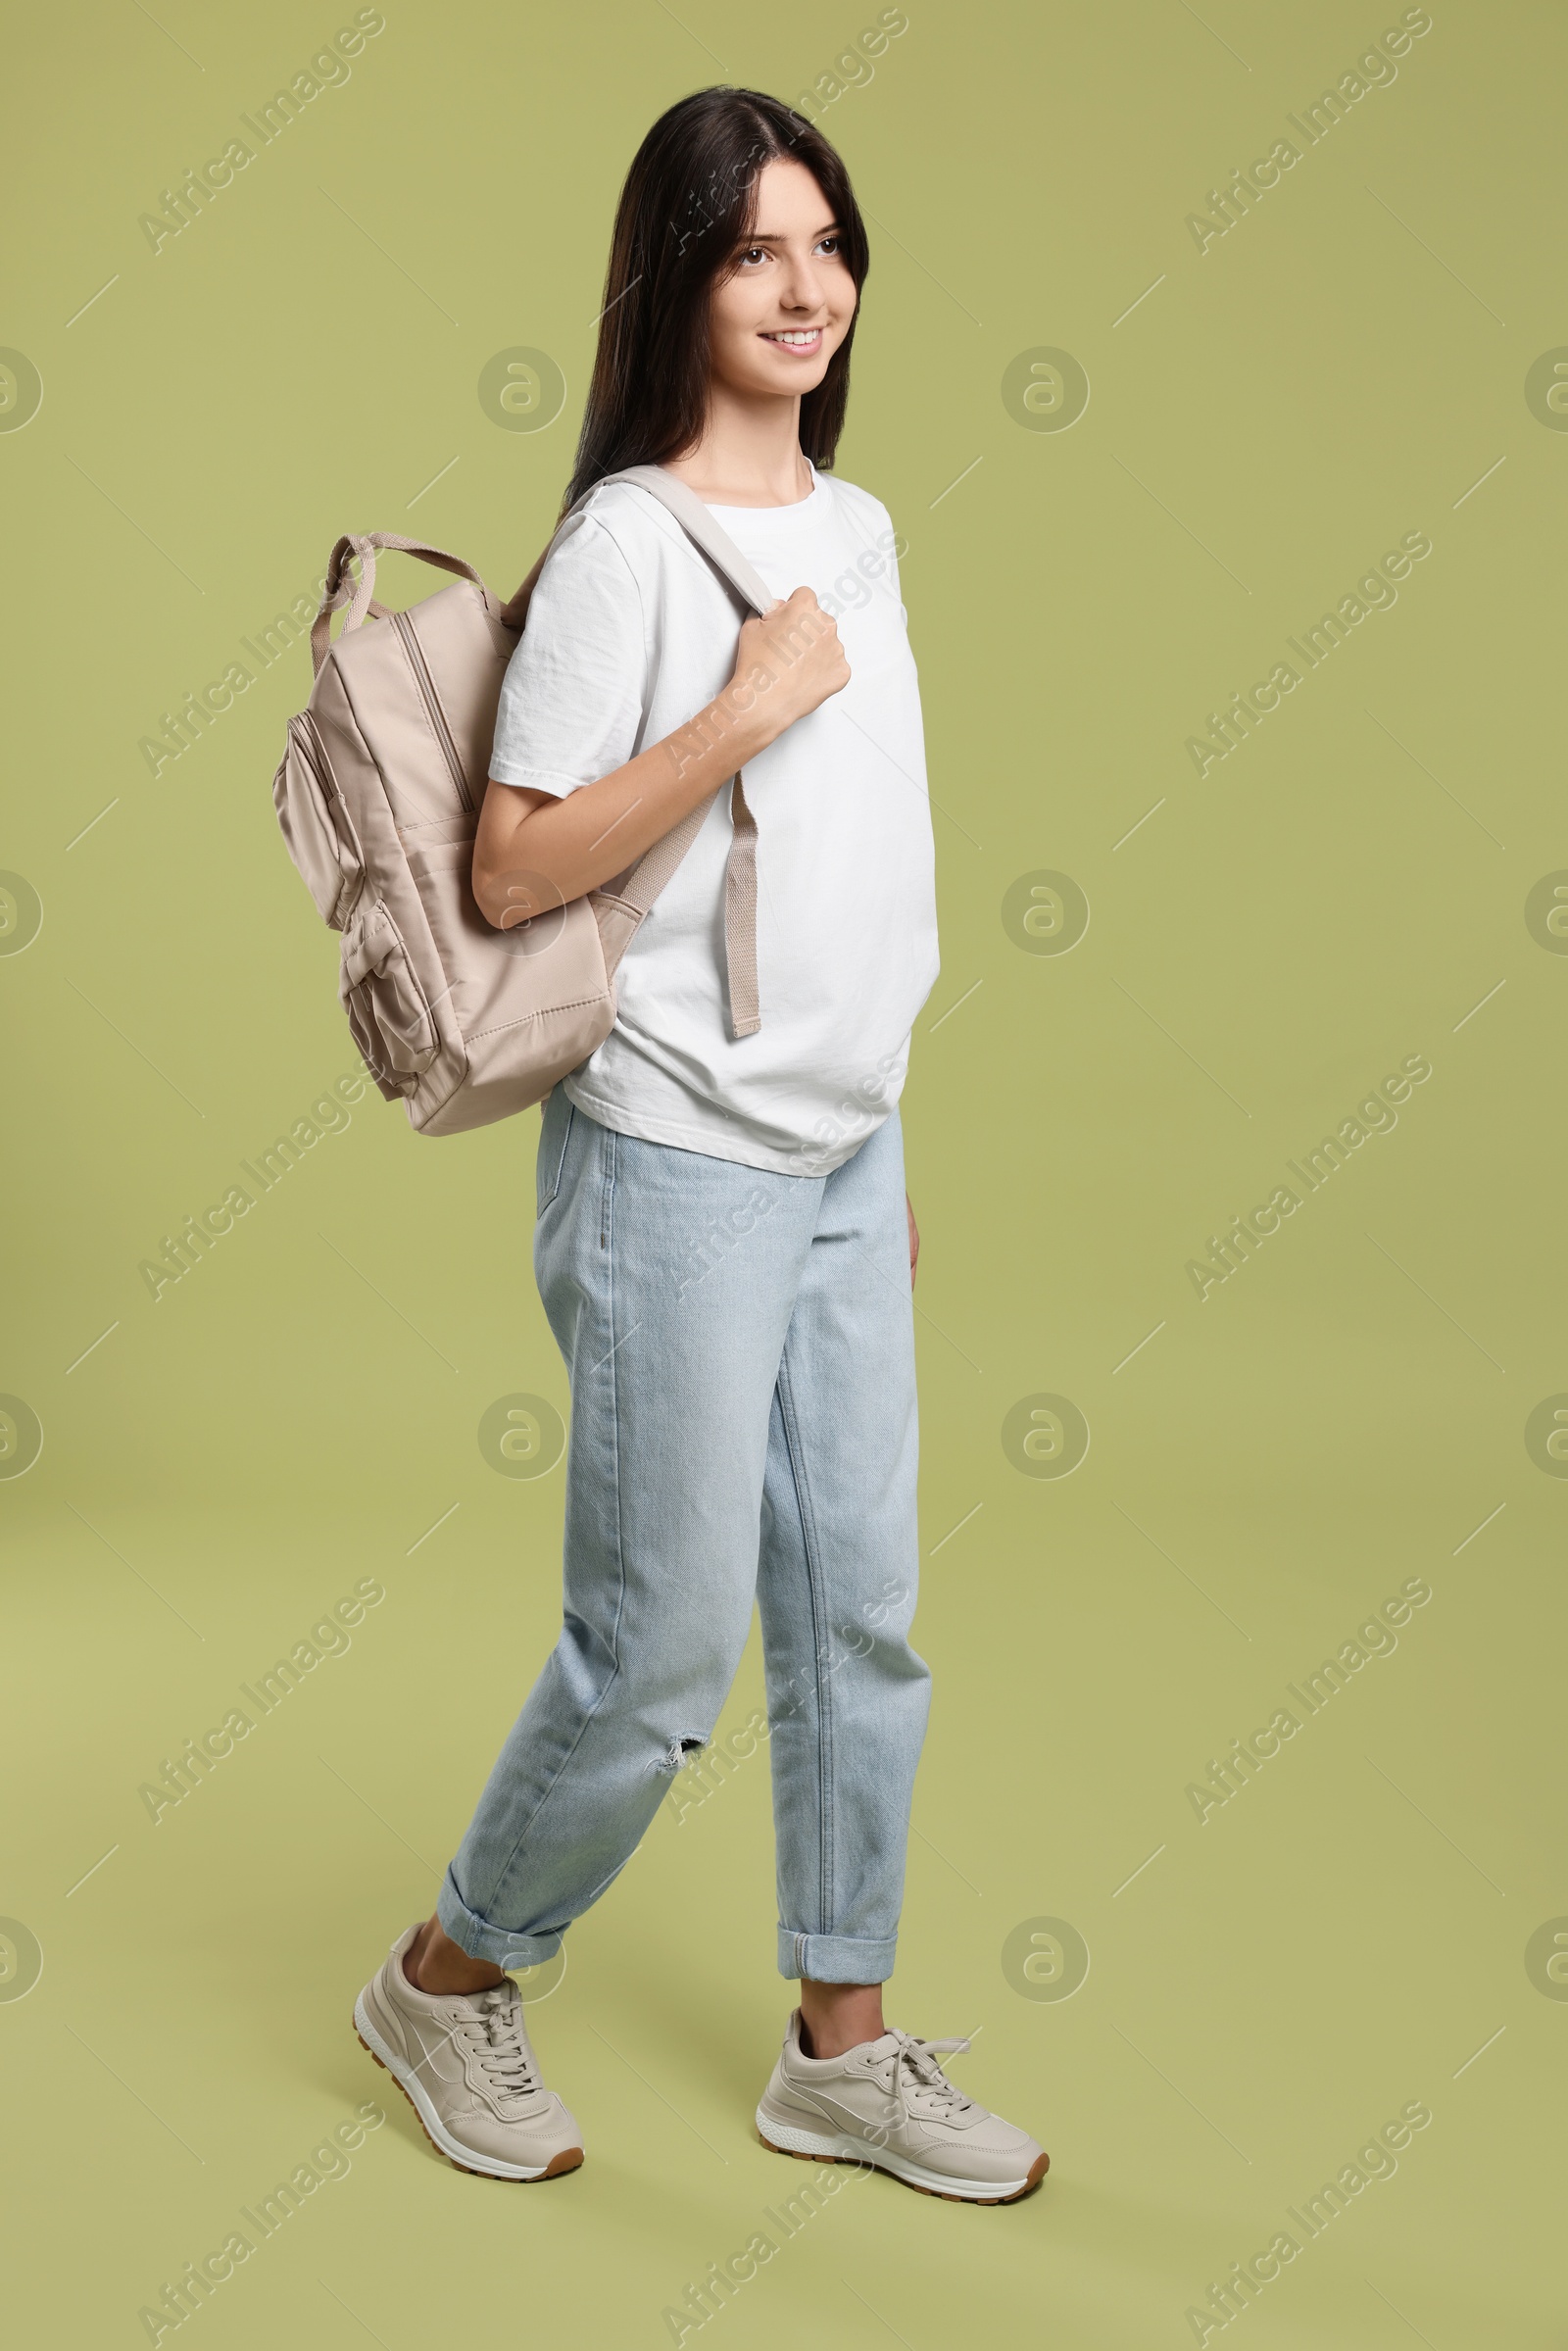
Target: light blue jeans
point(741, 1351)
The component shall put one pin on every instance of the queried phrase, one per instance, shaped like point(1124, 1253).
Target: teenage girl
point(724, 1246)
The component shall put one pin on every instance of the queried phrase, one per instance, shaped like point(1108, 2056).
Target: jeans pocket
point(555, 1133)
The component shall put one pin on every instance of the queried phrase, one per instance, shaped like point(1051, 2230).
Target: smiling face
point(788, 302)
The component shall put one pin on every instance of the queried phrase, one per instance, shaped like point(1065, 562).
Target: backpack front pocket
point(388, 1010)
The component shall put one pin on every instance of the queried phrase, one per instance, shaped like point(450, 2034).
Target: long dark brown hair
point(689, 202)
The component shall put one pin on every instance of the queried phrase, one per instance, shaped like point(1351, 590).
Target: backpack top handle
point(360, 595)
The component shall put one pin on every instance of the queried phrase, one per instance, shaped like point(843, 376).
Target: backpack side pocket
point(317, 825)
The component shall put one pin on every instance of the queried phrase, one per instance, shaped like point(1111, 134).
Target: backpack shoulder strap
point(740, 870)
point(619, 909)
point(697, 521)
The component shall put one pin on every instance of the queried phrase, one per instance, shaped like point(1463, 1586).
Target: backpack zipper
point(410, 642)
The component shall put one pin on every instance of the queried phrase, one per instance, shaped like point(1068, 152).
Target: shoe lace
point(916, 2075)
point(493, 2026)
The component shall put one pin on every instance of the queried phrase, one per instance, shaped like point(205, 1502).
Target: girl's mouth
point(805, 340)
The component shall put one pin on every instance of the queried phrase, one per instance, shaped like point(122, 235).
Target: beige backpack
point(378, 796)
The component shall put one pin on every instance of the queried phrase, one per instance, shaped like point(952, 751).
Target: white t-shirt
point(629, 634)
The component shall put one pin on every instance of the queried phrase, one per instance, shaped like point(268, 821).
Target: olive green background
point(1265, 419)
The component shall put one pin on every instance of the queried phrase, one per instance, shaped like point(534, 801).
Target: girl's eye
point(831, 246)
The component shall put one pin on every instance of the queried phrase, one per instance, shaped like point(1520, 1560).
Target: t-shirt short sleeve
point(573, 695)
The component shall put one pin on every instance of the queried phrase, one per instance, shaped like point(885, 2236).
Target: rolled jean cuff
point(831, 1958)
point(482, 1940)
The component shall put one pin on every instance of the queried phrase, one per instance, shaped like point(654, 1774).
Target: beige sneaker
point(888, 2103)
point(463, 2063)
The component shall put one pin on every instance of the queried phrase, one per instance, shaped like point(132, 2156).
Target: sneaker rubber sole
point(832, 2147)
point(461, 2158)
